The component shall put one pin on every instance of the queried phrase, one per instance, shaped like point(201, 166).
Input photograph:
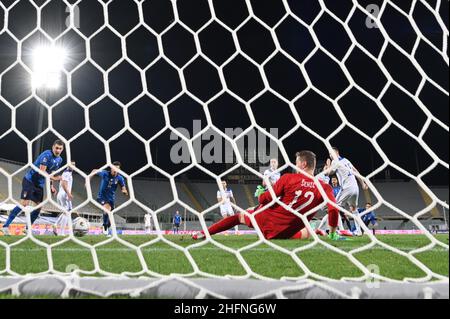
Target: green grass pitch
point(163, 259)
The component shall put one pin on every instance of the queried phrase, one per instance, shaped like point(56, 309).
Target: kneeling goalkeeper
point(297, 191)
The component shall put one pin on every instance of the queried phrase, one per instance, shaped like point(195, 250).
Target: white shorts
point(64, 201)
point(226, 210)
point(348, 197)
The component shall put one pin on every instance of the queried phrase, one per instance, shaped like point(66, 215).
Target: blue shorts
point(369, 218)
point(31, 192)
point(103, 202)
point(176, 225)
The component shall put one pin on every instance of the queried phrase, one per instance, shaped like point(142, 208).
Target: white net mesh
point(374, 16)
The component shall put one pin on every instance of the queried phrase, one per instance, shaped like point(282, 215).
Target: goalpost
point(199, 284)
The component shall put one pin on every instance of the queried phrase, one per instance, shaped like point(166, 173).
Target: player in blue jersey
point(335, 185)
point(33, 183)
point(176, 221)
point(107, 192)
point(369, 218)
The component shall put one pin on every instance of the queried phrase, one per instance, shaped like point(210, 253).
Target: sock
point(63, 222)
point(224, 224)
point(347, 221)
point(16, 211)
point(105, 221)
point(34, 215)
point(58, 223)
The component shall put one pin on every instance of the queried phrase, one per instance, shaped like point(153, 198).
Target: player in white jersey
point(348, 177)
point(225, 197)
point(271, 173)
point(64, 199)
point(148, 223)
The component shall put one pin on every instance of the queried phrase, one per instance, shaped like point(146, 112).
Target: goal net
point(148, 82)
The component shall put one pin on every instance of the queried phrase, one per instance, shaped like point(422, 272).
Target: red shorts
point(273, 227)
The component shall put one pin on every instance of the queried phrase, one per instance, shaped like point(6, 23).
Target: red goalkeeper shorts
point(274, 225)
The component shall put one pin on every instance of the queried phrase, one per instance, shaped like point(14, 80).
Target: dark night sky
point(202, 79)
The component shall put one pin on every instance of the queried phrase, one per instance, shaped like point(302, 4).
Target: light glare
point(48, 63)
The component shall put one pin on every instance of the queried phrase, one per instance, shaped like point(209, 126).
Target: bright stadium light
point(48, 63)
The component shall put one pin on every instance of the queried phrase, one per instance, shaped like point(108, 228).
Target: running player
point(33, 183)
point(107, 192)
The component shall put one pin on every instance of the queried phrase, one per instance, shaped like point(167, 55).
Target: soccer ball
point(80, 227)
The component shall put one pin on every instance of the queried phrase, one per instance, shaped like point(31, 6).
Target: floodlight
point(48, 64)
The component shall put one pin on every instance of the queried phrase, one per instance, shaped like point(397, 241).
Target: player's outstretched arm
point(94, 172)
point(327, 167)
point(65, 186)
point(330, 167)
point(43, 168)
point(360, 179)
point(55, 178)
point(278, 189)
point(123, 185)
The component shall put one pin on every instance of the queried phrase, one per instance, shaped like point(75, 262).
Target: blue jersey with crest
point(47, 159)
point(177, 219)
point(368, 217)
point(108, 185)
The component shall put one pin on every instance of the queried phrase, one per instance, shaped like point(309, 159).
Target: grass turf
point(162, 258)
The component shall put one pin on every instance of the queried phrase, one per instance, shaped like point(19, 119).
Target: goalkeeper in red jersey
point(299, 193)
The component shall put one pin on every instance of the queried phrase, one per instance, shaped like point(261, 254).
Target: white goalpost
point(198, 284)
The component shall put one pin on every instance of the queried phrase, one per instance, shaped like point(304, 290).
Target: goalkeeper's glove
point(259, 191)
